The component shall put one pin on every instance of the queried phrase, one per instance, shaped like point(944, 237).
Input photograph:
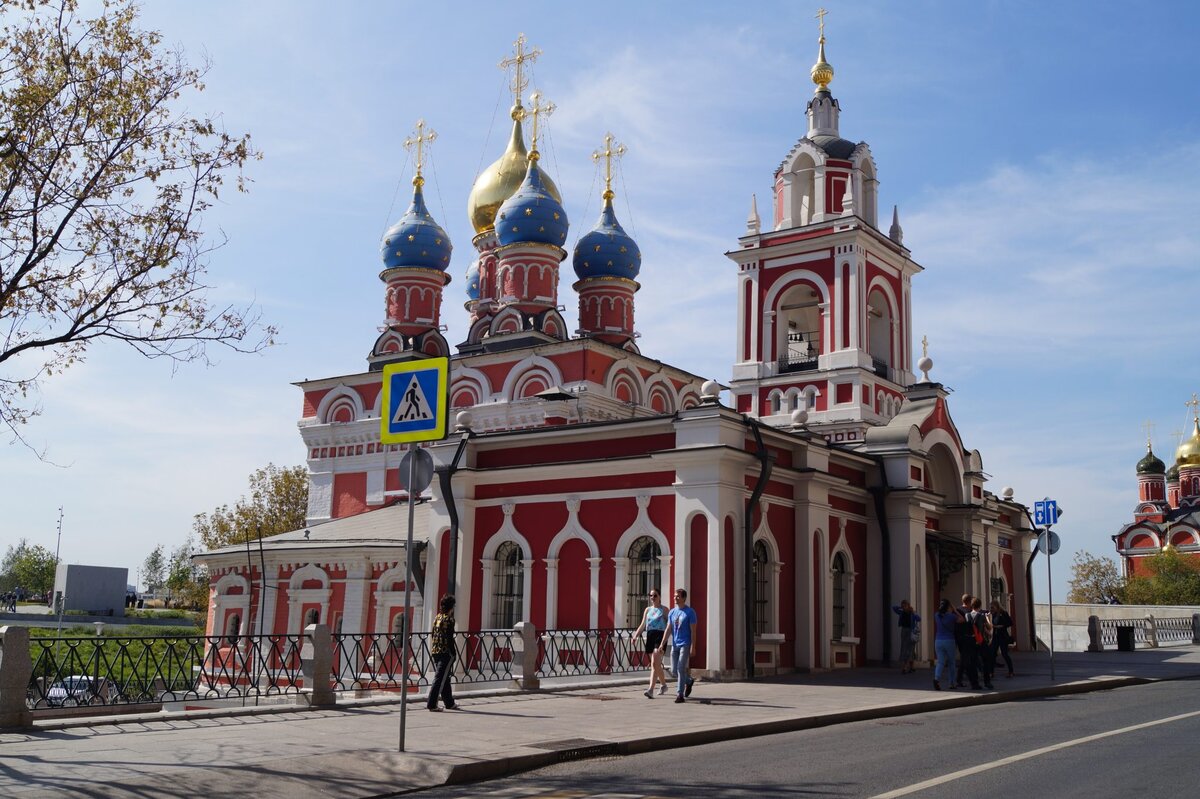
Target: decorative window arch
point(233, 628)
point(342, 404)
point(689, 398)
point(775, 402)
point(543, 368)
point(311, 616)
point(498, 597)
point(766, 568)
point(645, 573)
point(468, 387)
point(623, 381)
point(810, 397)
point(572, 530)
point(299, 596)
point(840, 585)
point(660, 395)
point(625, 564)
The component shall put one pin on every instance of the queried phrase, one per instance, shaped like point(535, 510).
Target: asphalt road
point(1126, 742)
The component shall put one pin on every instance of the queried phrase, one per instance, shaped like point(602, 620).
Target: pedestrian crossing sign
point(414, 401)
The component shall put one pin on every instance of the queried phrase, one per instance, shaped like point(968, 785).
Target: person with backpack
point(981, 627)
point(1001, 636)
point(910, 633)
point(968, 650)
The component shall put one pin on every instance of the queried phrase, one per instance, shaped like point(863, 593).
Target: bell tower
point(824, 302)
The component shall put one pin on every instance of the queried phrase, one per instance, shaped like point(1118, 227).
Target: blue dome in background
point(607, 250)
point(416, 240)
point(473, 281)
point(532, 215)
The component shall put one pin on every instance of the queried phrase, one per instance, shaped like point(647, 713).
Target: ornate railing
point(374, 661)
point(567, 653)
point(126, 670)
point(1108, 630)
point(1173, 629)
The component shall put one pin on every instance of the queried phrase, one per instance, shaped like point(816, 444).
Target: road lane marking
point(967, 772)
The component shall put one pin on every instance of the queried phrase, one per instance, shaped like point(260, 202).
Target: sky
point(1044, 157)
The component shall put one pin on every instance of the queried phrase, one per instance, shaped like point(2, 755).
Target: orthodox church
point(1168, 509)
point(584, 473)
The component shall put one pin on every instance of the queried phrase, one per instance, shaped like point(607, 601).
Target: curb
point(506, 767)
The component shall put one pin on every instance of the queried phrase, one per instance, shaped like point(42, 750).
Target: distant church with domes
point(1168, 509)
point(584, 473)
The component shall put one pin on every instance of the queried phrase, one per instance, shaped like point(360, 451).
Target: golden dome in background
point(1188, 453)
point(822, 71)
point(501, 180)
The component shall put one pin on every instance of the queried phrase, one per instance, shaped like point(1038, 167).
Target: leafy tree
point(1173, 579)
point(154, 569)
point(104, 181)
point(28, 566)
point(277, 503)
point(187, 583)
point(1094, 580)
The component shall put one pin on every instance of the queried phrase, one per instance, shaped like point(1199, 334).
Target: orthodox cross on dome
point(608, 154)
point(520, 80)
point(821, 19)
point(1148, 426)
point(538, 109)
point(822, 71)
point(1194, 404)
point(417, 141)
point(924, 346)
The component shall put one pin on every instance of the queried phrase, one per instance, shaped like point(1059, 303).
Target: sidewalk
point(351, 751)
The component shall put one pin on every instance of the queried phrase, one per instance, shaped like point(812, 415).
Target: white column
point(552, 593)
point(621, 570)
point(485, 587)
point(713, 627)
point(594, 594)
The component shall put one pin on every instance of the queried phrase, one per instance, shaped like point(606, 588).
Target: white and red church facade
point(833, 484)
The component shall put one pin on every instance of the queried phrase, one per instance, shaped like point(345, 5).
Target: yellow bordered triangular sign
point(415, 400)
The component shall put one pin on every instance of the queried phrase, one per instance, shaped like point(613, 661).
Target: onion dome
point(473, 281)
point(1173, 474)
point(1188, 453)
point(502, 179)
point(416, 240)
point(1150, 464)
point(534, 214)
point(607, 250)
point(822, 71)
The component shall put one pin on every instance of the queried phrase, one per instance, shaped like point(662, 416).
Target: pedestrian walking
point(654, 625)
point(968, 650)
point(441, 646)
point(945, 626)
point(681, 637)
point(1001, 636)
point(910, 633)
point(982, 630)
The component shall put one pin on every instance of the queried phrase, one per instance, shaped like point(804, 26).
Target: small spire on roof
point(753, 223)
point(895, 232)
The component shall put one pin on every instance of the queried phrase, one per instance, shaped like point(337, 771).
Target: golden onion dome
point(822, 71)
point(502, 179)
point(1188, 453)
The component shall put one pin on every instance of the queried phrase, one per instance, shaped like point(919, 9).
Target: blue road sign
point(415, 401)
point(1045, 512)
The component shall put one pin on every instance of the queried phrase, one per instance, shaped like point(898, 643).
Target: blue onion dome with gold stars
point(473, 281)
point(1150, 464)
point(607, 250)
point(416, 240)
point(532, 215)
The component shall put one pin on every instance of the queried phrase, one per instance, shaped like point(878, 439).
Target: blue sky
point(1043, 156)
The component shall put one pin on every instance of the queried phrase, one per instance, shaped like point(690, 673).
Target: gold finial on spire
point(608, 154)
point(520, 80)
point(537, 109)
point(1194, 404)
point(822, 71)
point(418, 140)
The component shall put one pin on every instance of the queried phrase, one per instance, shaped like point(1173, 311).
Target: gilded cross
point(1176, 435)
point(821, 18)
point(1194, 404)
point(538, 109)
point(518, 59)
point(924, 346)
point(1148, 426)
point(417, 141)
point(608, 154)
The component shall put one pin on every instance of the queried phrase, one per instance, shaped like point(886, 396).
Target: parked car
point(75, 690)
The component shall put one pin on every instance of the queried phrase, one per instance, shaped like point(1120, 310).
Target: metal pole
point(1050, 602)
point(412, 479)
point(58, 605)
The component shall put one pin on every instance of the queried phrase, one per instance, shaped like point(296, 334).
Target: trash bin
point(1125, 639)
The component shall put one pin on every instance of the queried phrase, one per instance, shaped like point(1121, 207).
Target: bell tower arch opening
point(798, 329)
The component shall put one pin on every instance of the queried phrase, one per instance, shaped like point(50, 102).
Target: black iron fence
point(568, 653)
point(374, 662)
point(119, 670)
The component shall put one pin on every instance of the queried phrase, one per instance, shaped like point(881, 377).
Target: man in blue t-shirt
point(681, 638)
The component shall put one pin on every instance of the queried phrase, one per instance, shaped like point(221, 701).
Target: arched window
point(398, 622)
point(841, 598)
point(233, 625)
point(645, 574)
point(312, 616)
point(762, 588)
point(508, 586)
